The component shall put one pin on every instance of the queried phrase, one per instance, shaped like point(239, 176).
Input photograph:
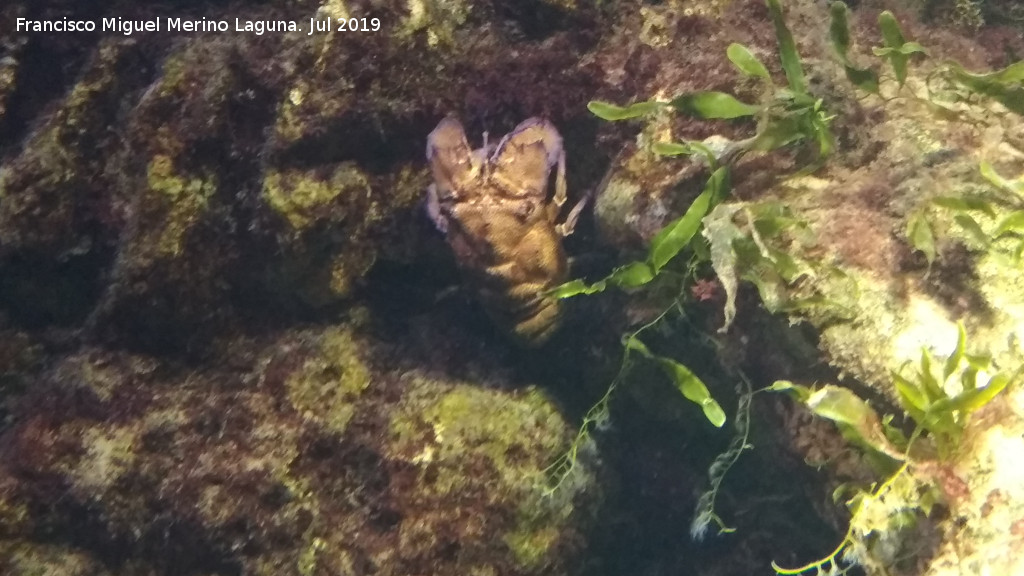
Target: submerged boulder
point(307, 453)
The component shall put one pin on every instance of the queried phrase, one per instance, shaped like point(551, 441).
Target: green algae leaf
point(912, 397)
point(778, 132)
point(989, 173)
point(840, 405)
point(919, 232)
point(632, 275)
point(864, 78)
point(787, 49)
point(973, 229)
point(687, 148)
point(575, 288)
point(957, 356)
point(895, 435)
point(612, 112)
point(1004, 86)
point(907, 49)
point(664, 247)
point(773, 218)
point(718, 185)
point(966, 205)
point(798, 392)
point(672, 149)
point(893, 41)
point(826, 140)
point(713, 105)
point(678, 233)
point(927, 379)
point(839, 32)
point(856, 419)
point(839, 29)
point(974, 398)
point(940, 419)
point(979, 361)
point(745, 61)
point(1012, 223)
point(788, 268)
point(721, 232)
point(1012, 73)
point(692, 388)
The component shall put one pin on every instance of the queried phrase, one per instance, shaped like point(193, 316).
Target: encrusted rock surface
point(226, 348)
point(310, 452)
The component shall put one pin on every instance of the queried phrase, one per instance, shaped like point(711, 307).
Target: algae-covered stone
point(325, 387)
point(168, 279)
point(26, 558)
point(903, 306)
point(306, 107)
point(638, 199)
point(303, 197)
point(305, 453)
point(182, 197)
point(46, 191)
point(337, 221)
point(438, 19)
point(8, 71)
point(20, 359)
point(513, 437)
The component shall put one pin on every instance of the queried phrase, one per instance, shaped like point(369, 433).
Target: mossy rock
point(476, 449)
point(8, 76)
point(303, 453)
point(329, 382)
point(26, 558)
point(47, 191)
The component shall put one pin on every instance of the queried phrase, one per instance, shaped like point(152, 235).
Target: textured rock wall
point(224, 345)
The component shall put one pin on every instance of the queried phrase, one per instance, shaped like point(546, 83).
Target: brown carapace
point(500, 219)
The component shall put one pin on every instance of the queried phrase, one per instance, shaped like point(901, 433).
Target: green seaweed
point(612, 112)
point(692, 388)
point(895, 47)
point(919, 233)
point(705, 513)
point(839, 33)
point(746, 62)
point(712, 105)
point(1003, 86)
point(991, 220)
point(939, 397)
point(788, 54)
point(668, 243)
point(1015, 187)
point(926, 397)
point(751, 241)
point(785, 116)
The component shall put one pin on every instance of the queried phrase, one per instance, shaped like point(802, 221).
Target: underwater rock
point(8, 73)
point(49, 192)
point(881, 301)
point(174, 209)
point(875, 289)
point(310, 452)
